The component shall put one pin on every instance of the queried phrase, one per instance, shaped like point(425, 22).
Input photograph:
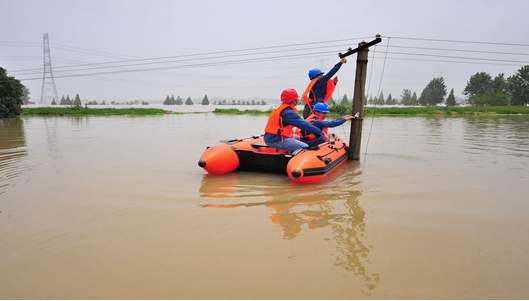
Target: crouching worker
point(318, 119)
point(279, 128)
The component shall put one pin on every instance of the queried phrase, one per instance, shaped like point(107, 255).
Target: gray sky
point(117, 30)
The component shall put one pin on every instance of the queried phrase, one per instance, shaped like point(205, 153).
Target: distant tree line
point(171, 100)
point(481, 90)
point(67, 101)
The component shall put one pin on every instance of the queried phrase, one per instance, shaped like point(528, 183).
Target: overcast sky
point(101, 31)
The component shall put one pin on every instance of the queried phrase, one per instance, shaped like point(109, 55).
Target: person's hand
point(343, 60)
point(349, 117)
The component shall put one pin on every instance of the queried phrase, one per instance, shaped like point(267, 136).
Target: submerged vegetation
point(60, 111)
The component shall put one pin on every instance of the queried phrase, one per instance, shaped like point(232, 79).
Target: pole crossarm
point(360, 47)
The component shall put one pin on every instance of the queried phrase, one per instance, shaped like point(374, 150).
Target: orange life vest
point(310, 136)
point(331, 85)
point(275, 122)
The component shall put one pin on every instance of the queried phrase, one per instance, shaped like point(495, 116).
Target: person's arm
point(292, 118)
point(329, 123)
point(334, 69)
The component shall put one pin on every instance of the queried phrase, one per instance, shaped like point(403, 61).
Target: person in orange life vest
point(318, 119)
point(279, 128)
point(320, 88)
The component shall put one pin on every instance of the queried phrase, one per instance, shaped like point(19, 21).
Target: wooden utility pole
point(355, 136)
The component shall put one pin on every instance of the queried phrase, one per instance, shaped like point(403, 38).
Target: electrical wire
point(457, 41)
point(171, 61)
point(378, 93)
point(210, 53)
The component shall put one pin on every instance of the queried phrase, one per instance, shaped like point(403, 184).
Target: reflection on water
point(333, 205)
point(12, 150)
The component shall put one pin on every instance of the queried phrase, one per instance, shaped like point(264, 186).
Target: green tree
point(77, 101)
point(414, 100)
point(518, 85)
point(390, 100)
point(166, 100)
point(53, 102)
point(500, 84)
point(433, 93)
point(189, 101)
point(205, 100)
point(490, 98)
point(179, 101)
point(479, 83)
point(451, 99)
point(11, 95)
point(483, 90)
point(405, 98)
point(68, 101)
point(380, 100)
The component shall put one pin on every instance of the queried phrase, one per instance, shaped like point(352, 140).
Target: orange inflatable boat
point(252, 154)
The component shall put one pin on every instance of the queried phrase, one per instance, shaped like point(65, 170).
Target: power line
point(267, 59)
point(274, 51)
point(258, 59)
point(457, 41)
point(460, 50)
point(90, 50)
point(180, 60)
point(209, 53)
point(447, 61)
point(460, 57)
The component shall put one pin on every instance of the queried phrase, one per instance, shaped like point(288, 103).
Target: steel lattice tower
point(48, 82)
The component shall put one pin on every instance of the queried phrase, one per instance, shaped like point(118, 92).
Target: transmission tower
point(48, 92)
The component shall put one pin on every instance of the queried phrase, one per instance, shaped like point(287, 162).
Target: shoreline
point(369, 111)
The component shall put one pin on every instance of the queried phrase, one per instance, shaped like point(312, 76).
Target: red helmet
point(289, 95)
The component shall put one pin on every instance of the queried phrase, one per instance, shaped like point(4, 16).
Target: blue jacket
point(320, 87)
point(290, 117)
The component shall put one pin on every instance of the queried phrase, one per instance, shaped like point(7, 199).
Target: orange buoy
point(219, 159)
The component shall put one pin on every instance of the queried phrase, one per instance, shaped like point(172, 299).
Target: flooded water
point(116, 207)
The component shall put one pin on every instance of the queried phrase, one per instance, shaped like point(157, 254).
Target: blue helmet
point(314, 72)
point(321, 107)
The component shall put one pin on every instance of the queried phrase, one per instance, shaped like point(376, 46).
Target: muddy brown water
point(116, 207)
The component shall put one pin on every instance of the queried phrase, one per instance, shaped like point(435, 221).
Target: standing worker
point(279, 128)
point(320, 88)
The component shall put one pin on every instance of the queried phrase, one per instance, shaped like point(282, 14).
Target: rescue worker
point(320, 88)
point(279, 128)
point(318, 119)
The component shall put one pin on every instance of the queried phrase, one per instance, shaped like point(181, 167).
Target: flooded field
point(116, 207)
